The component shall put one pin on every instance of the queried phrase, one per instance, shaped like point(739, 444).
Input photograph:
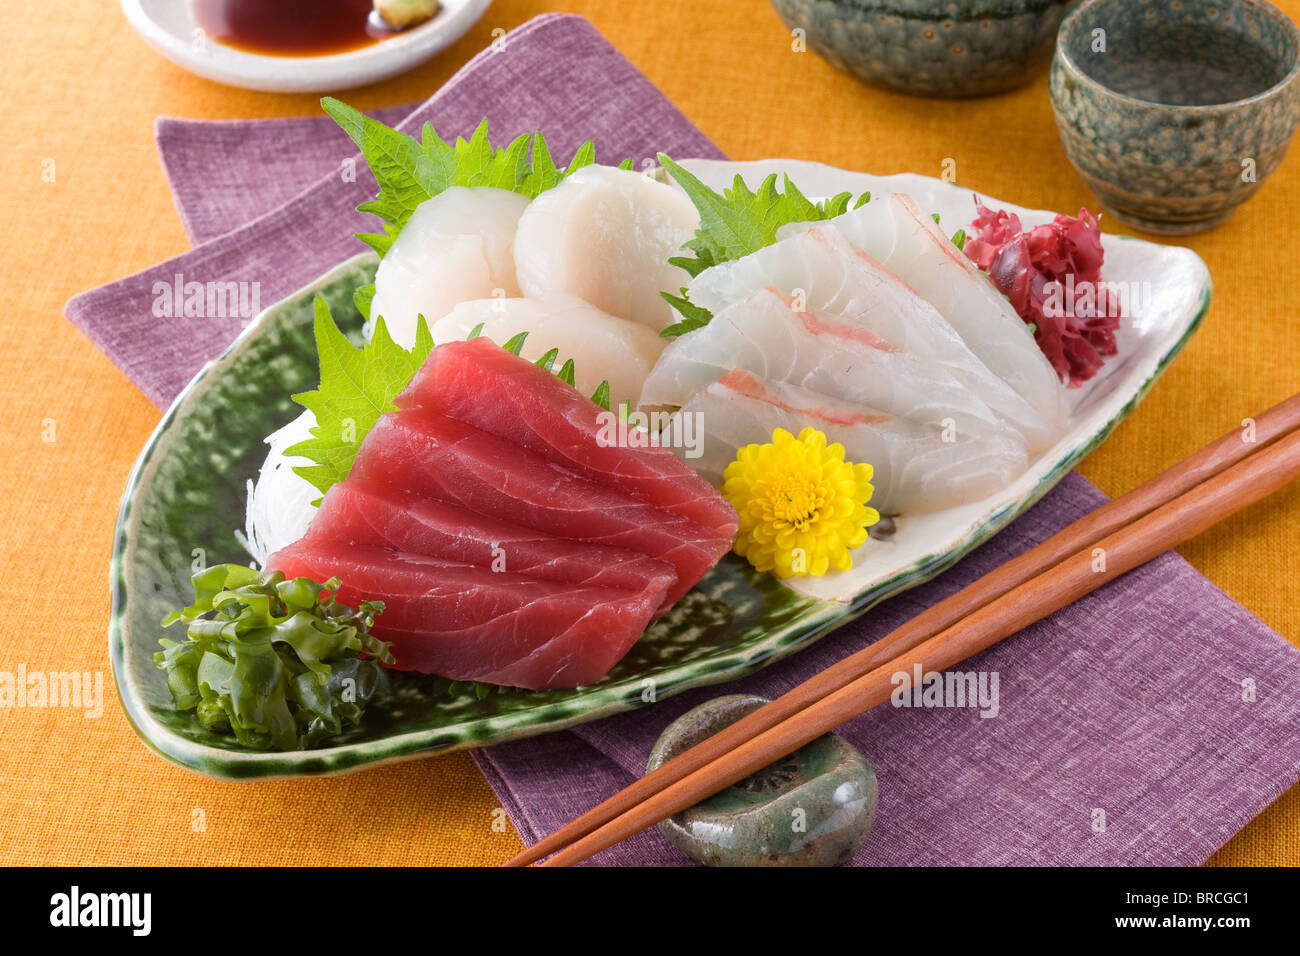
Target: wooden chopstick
point(1179, 520)
point(1232, 447)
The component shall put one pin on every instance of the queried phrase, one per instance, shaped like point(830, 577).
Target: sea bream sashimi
point(432, 455)
point(915, 469)
point(473, 623)
point(768, 334)
point(897, 234)
point(489, 388)
point(603, 347)
point(829, 274)
point(369, 513)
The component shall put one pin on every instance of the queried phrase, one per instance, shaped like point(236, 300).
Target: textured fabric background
point(84, 94)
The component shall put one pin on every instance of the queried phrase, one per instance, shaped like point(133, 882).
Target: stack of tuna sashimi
point(508, 543)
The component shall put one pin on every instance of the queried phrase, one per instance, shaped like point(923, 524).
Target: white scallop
point(602, 346)
point(606, 235)
point(455, 247)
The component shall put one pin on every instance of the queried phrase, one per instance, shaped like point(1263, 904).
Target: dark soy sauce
point(289, 27)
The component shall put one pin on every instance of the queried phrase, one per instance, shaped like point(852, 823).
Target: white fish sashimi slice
point(896, 233)
point(767, 335)
point(828, 273)
point(455, 247)
point(915, 470)
point(602, 346)
point(606, 235)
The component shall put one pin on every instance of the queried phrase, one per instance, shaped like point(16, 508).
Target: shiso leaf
point(739, 220)
point(362, 299)
point(410, 171)
point(544, 174)
point(357, 385)
point(585, 155)
point(279, 664)
point(601, 396)
point(567, 373)
point(393, 158)
point(514, 345)
point(735, 223)
point(693, 316)
point(548, 360)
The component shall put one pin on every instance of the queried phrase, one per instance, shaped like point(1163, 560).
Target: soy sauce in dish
point(289, 27)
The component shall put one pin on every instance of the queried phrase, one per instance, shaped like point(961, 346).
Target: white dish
point(168, 26)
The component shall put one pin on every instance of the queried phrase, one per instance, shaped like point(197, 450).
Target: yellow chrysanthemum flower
point(802, 507)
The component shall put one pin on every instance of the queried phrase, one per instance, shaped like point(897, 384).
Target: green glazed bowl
point(1175, 111)
point(185, 503)
point(948, 48)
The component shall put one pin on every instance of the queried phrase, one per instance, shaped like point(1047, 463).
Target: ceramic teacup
point(1175, 111)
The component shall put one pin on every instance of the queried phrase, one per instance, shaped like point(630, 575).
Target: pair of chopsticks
point(1224, 477)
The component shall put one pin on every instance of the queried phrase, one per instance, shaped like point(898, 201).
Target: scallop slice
point(602, 346)
point(606, 235)
point(455, 247)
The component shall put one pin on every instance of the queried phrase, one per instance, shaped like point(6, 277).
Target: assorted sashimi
point(519, 533)
point(606, 235)
point(602, 347)
point(520, 552)
point(915, 468)
point(464, 509)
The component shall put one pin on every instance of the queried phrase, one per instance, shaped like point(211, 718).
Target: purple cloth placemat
point(1125, 734)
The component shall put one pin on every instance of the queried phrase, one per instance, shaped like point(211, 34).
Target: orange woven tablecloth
point(84, 201)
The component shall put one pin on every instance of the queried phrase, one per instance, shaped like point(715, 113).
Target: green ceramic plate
point(186, 497)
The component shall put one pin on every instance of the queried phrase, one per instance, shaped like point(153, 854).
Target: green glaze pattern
point(1175, 111)
point(951, 48)
point(814, 807)
point(185, 498)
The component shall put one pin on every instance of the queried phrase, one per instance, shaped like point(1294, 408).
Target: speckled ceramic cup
point(812, 808)
point(950, 48)
point(1175, 111)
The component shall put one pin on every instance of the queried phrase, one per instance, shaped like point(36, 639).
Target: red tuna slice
point(481, 383)
point(471, 623)
point(435, 456)
point(377, 515)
